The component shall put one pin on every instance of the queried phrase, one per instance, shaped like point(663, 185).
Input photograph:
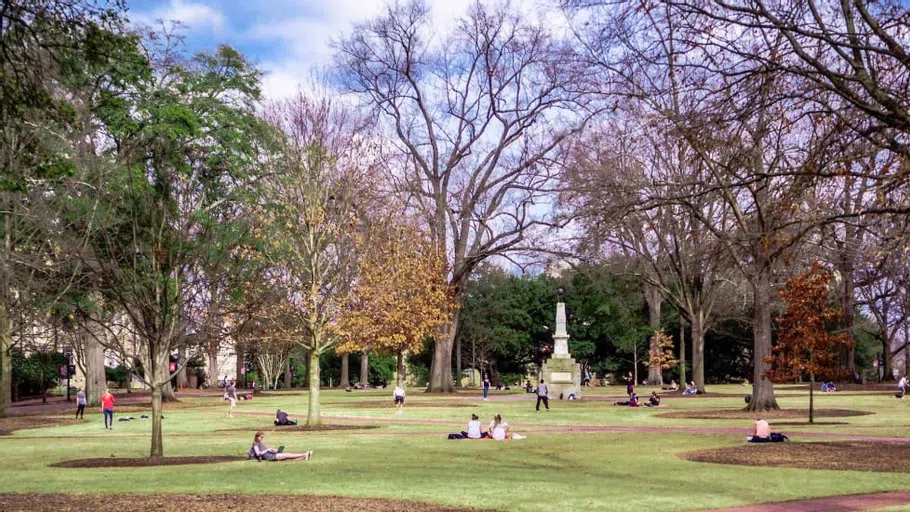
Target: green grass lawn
point(408, 457)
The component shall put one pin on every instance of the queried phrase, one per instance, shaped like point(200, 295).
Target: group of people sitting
point(691, 389)
point(653, 401)
point(498, 430)
point(828, 387)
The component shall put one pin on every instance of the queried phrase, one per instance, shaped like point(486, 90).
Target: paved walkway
point(831, 504)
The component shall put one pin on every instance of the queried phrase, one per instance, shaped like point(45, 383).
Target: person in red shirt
point(107, 407)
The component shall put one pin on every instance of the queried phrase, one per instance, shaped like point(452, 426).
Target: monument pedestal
point(561, 373)
point(563, 377)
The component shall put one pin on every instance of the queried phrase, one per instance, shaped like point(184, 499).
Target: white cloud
point(193, 15)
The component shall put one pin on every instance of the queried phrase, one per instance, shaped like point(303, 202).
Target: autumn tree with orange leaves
point(401, 297)
point(806, 344)
point(661, 352)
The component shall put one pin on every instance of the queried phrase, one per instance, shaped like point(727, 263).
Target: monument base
point(563, 377)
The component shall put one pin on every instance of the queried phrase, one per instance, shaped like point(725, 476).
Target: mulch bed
point(209, 503)
point(740, 414)
point(14, 423)
point(840, 455)
point(298, 428)
point(142, 462)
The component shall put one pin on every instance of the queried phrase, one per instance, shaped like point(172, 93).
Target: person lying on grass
point(631, 402)
point(281, 419)
point(260, 451)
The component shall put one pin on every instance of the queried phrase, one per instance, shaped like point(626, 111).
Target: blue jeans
point(486, 391)
point(108, 413)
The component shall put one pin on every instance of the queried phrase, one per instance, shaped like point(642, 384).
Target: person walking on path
point(231, 395)
point(80, 404)
point(542, 396)
point(486, 389)
point(107, 408)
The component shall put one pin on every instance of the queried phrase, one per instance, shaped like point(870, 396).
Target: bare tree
point(318, 206)
point(476, 122)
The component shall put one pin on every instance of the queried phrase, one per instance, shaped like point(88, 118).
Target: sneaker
point(307, 455)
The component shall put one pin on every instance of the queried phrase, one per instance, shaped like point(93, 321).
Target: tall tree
point(315, 218)
point(806, 344)
point(187, 145)
point(476, 121)
point(401, 297)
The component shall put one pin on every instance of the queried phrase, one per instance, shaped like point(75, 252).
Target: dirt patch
point(841, 455)
point(168, 406)
point(739, 414)
point(298, 428)
point(390, 404)
point(14, 423)
point(806, 423)
point(142, 462)
point(209, 503)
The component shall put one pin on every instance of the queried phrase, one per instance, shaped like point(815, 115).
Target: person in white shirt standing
point(902, 385)
point(399, 398)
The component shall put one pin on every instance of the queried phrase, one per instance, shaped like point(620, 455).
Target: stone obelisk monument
point(561, 373)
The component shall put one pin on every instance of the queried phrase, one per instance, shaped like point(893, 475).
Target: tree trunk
point(698, 352)
point(365, 367)
point(458, 362)
point(907, 349)
point(654, 300)
point(811, 398)
point(163, 374)
point(287, 374)
point(211, 366)
point(95, 378)
point(345, 370)
point(312, 370)
point(441, 369)
point(635, 365)
point(762, 388)
point(6, 335)
point(885, 360)
point(181, 363)
point(400, 377)
point(157, 439)
point(848, 304)
point(238, 366)
point(682, 351)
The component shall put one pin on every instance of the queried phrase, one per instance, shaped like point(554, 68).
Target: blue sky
point(286, 38)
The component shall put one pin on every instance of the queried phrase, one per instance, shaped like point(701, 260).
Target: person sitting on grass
point(654, 400)
point(831, 387)
point(691, 389)
point(474, 429)
point(499, 430)
point(761, 432)
point(673, 386)
point(260, 451)
point(281, 419)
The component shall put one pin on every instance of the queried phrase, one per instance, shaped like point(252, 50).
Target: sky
point(287, 39)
